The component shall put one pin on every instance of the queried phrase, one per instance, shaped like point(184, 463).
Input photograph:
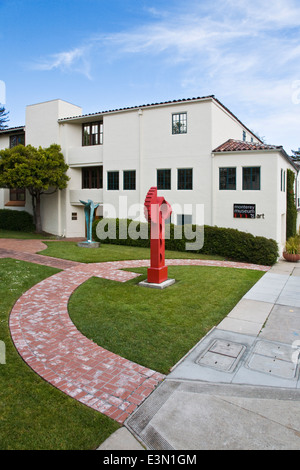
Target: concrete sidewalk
point(238, 388)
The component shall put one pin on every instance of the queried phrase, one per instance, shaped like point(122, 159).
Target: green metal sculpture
point(89, 209)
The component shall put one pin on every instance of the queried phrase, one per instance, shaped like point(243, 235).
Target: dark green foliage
point(16, 220)
point(3, 118)
point(227, 242)
point(291, 211)
point(39, 170)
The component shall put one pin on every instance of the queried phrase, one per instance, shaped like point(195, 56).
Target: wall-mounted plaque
point(244, 211)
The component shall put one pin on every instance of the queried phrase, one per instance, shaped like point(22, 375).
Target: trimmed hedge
point(16, 220)
point(227, 242)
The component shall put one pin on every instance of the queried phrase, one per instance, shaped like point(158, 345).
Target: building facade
point(208, 165)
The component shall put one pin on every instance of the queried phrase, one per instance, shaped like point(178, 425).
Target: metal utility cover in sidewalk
point(222, 355)
point(274, 359)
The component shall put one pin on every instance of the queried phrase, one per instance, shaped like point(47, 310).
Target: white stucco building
point(195, 151)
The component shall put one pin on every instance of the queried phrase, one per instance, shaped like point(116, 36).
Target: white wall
point(225, 127)
point(270, 201)
point(42, 128)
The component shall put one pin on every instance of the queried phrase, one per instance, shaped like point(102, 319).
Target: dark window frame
point(182, 219)
point(17, 195)
point(164, 178)
point(184, 179)
point(20, 140)
point(90, 180)
point(129, 180)
point(227, 176)
point(179, 123)
point(92, 138)
point(113, 180)
point(251, 184)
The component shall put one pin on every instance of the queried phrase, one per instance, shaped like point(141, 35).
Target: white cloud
point(68, 61)
point(246, 52)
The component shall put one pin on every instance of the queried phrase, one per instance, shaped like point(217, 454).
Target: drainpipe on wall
point(59, 213)
point(141, 196)
point(212, 190)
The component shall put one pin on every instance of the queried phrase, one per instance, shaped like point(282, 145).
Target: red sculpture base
point(157, 275)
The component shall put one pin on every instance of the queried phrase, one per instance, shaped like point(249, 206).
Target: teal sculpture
point(89, 209)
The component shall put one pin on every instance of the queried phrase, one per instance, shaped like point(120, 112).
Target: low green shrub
point(16, 220)
point(227, 242)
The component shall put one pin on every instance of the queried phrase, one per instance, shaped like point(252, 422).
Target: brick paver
point(51, 345)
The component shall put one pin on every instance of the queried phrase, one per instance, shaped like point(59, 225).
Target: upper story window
point(16, 139)
point(163, 179)
point(185, 178)
point(227, 178)
point(129, 179)
point(112, 180)
point(282, 181)
point(244, 136)
point(179, 123)
point(92, 133)
point(251, 178)
point(92, 177)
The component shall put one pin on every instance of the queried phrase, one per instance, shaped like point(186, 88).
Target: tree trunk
point(38, 221)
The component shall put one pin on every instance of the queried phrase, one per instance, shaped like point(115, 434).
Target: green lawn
point(153, 328)
point(157, 328)
point(107, 252)
point(33, 414)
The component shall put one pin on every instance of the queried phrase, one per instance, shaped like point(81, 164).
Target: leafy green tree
point(3, 118)
point(40, 170)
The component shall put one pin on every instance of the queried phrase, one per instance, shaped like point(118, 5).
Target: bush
point(227, 242)
point(16, 220)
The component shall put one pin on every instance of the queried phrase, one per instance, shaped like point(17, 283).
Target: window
point(251, 178)
point(92, 177)
point(244, 136)
point(185, 178)
point(129, 179)
point(74, 215)
point(179, 123)
point(112, 180)
point(18, 139)
point(184, 219)
point(17, 195)
point(227, 178)
point(92, 133)
point(163, 179)
point(282, 181)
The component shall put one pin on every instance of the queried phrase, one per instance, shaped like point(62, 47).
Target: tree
point(291, 211)
point(3, 118)
point(296, 155)
point(39, 170)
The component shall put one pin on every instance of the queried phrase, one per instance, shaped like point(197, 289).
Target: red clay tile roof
point(237, 145)
point(232, 145)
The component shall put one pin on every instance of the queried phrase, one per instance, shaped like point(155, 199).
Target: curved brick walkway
point(50, 344)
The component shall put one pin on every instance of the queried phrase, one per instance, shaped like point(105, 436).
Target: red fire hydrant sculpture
point(157, 210)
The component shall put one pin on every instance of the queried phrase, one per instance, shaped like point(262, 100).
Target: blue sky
point(107, 54)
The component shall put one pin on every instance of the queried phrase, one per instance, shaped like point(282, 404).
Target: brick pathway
point(51, 345)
